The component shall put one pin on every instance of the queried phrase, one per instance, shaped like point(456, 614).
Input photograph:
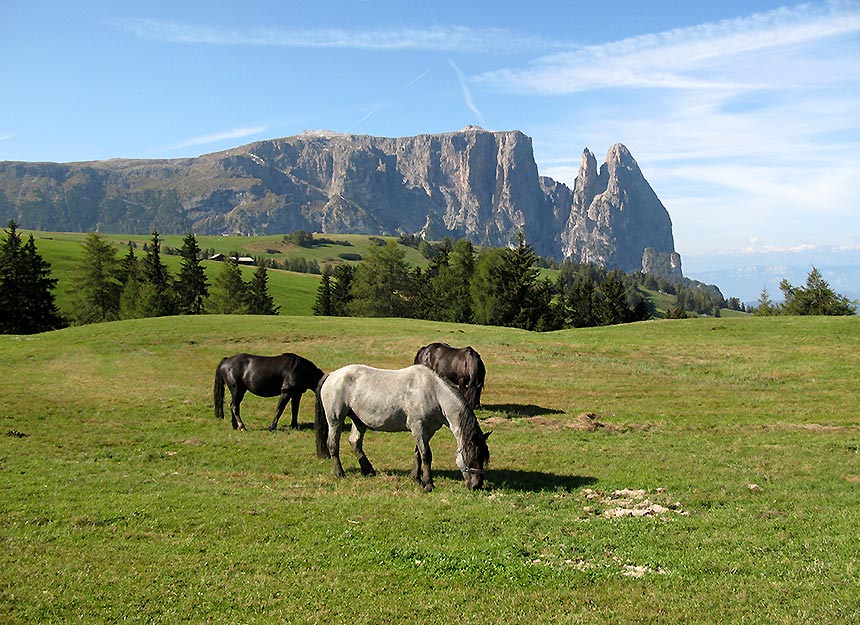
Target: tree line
point(498, 286)
point(460, 284)
point(108, 288)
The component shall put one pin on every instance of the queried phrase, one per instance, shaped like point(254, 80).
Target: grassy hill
point(673, 471)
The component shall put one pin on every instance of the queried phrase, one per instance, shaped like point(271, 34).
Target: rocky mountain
point(472, 184)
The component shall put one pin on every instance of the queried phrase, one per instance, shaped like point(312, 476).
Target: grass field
point(716, 480)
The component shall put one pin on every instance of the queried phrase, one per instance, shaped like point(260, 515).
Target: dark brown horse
point(287, 375)
point(462, 366)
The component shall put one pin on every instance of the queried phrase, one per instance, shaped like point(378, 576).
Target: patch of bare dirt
point(814, 428)
point(583, 422)
point(632, 502)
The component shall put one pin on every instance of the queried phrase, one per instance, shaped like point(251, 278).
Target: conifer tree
point(26, 287)
point(192, 286)
point(381, 283)
point(97, 285)
point(322, 304)
point(341, 292)
point(229, 291)
point(816, 298)
point(259, 302)
point(129, 277)
point(156, 297)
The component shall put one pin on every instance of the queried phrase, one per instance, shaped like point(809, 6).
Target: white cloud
point(467, 95)
point(438, 38)
point(685, 58)
point(236, 133)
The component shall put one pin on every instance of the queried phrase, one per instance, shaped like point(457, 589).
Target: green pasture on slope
point(294, 292)
point(693, 471)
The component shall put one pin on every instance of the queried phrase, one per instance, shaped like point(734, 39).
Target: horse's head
point(472, 459)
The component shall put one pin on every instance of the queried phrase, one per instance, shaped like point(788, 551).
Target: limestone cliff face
point(473, 184)
point(615, 216)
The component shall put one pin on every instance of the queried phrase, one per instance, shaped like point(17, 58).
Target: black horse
point(461, 365)
point(287, 375)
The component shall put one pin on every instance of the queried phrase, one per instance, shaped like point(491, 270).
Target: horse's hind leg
point(235, 401)
point(333, 443)
point(416, 466)
point(356, 439)
point(282, 403)
point(296, 398)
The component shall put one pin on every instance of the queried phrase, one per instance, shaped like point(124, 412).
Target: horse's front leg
point(282, 403)
point(356, 439)
point(424, 458)
point(415, 474)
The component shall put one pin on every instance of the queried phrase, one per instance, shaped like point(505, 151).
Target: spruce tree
point(229, 291)
point(816, 298)
point(97, 285)
point(26, 287)
point(381, 283)
point(341, 292)
point(259, 302)
point(192, 286)
point(322, 304)
point(156, 295)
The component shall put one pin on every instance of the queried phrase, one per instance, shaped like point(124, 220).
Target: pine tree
point(97, 285)
point(156, 295)
point(192, 286)
point(381, 283)
point(613, 305)
point(452, 287)
point(26, 299)
point(341, 292)
point(259, 302)
point(580, 303)
point(817, 298)
point(322, 304)
point(229, 291)
point(505, 289)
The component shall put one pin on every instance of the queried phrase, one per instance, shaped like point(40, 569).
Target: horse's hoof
point(428, 488)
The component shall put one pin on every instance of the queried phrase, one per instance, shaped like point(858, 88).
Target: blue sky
point(744, 116)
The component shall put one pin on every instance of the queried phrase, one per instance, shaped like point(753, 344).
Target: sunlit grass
point(124, 499)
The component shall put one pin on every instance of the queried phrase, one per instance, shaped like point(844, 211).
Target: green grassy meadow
point(717, 479)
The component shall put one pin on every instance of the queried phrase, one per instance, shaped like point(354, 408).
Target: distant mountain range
point(472, 184)
point(745, 275)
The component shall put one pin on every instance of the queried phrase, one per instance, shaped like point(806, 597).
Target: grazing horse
point(287, 375)
point(461, 365)
point(415, 399)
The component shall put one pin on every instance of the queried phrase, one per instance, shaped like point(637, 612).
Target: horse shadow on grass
point(525, 481)
point(519, 411)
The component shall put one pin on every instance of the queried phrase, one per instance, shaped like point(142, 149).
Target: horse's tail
point(321, 423)
point(218, 392)
point(477, 372)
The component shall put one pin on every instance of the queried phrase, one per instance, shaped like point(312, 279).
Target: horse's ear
point(487, 435)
